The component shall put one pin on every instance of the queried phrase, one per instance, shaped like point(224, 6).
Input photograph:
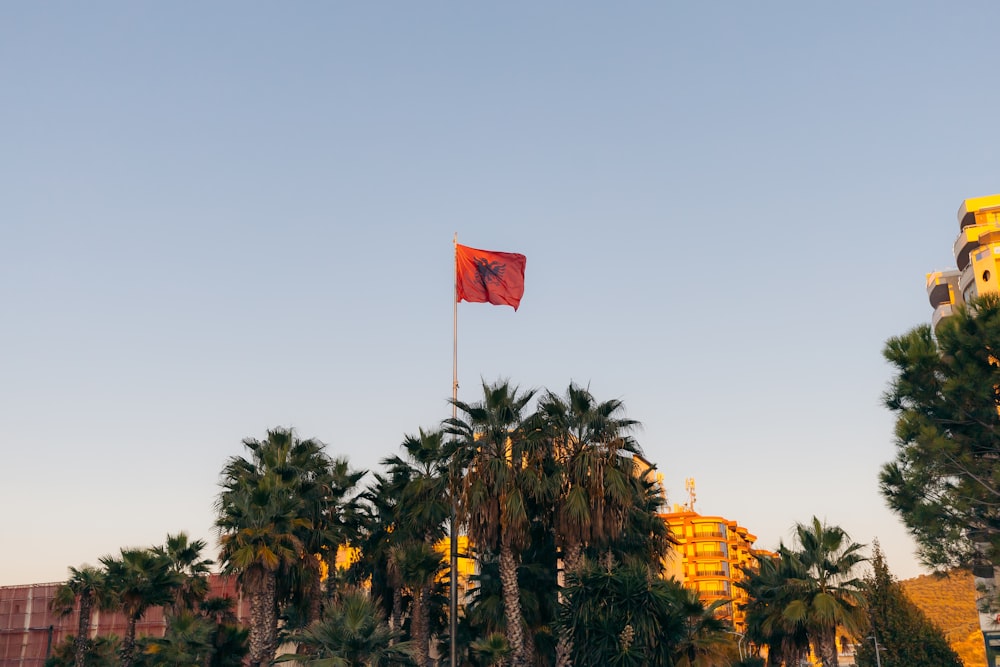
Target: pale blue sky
point(219, 218)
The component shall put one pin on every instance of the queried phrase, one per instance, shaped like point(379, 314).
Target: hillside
point(950, 602)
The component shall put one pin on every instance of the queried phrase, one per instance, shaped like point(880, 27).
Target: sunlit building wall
point(710, 556)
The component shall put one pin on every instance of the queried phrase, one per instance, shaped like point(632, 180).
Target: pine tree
point(905, 635)
point(943, 479)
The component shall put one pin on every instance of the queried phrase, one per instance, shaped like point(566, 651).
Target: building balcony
point(711, 595)
point(970, 207)
point(711, 574)
point(940, 313)
point(971, 238)
point(967, 278)
point(942, 287)
point(709, 534)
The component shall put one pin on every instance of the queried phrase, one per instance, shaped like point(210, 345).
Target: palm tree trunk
point(564, 649)
point(791, 653)
point(828, 648)
point(128, 644)
point(315, 592)
point(529, 648)
point(263, 621)
point(572, 555)
point(83, 631)
point(419, 624)
point(397, 608)
point(257, 622)
point(512, 605)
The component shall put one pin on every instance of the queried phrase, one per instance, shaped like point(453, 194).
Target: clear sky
point(217, 218)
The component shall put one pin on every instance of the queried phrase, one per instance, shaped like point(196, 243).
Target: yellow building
point(977, 256)
point(710, 555)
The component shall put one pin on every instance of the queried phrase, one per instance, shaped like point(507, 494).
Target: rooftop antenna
point(689, 487)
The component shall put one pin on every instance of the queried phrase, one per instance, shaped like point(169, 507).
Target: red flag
point(484, 276)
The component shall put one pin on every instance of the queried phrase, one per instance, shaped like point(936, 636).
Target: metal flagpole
point(453, 599)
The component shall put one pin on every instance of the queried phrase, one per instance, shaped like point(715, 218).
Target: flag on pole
point(485, 276)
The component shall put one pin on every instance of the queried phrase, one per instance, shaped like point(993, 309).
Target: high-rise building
point(977, 256)
point(710, 557)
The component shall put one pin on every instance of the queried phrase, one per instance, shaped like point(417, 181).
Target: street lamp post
point(878, 660)
point(739, 644)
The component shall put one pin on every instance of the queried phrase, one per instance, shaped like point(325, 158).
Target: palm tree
point(352, 633)
point(492, 650)
point(324, 486)
point(138, 579)
point(769, 592)
point(707, 641)
point(645, 538)
point(87, 585)
point(489, 502)
point(191, 569)
point(826, 596)
point(600, 503)
point(622, 615)
point(418, 565)
point(257, 523)
point(282, 511)
point(378, 510)
point(587, 439)
point(229, 640)
point(187, 642)
point(297, 470)
point(420, 481)
point(101, 652)
point(536, 577)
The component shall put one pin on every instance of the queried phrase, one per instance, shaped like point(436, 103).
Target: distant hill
point(950, 602)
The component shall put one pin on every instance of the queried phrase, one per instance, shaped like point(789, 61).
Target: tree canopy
point(945, 478)
point(905, 635)
point(562, 518)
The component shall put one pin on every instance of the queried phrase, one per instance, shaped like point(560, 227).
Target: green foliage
point(494, 499)
point(352, 633)
point(622, 615)
point(88, 586)
point(491, 650)
point(138, 580)
point(195, 640)
point(905, 635)
point(484, 612)
point(826, 596)
point(589, 441)
point(419, 482)
point(493, 443)
point(191, 570)
point(806, 595)
point(281, 509)
point(558, 485)
point(100, 652)
point(187, 643)
point(769, 591)
point(173, 576)
point(229, 645)
point(945, 479)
